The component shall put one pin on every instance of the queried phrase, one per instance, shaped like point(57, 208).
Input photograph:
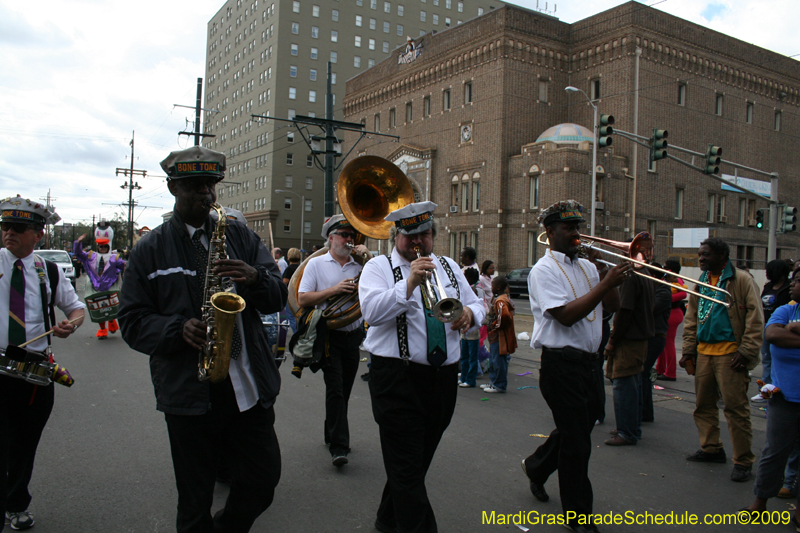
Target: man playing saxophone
point(325, 276)
point(161, 315)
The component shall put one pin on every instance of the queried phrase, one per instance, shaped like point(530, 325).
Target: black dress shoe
point(383, 528)
point(662, 377)
point(538, 492)
point(702, 457)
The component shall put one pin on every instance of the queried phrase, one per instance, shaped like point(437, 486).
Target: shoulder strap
point(48, 311)
point(449, 271)
point(402, 324)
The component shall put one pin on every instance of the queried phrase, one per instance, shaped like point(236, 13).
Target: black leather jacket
point(159, 295)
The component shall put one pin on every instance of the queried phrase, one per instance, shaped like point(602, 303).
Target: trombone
point(444, 309)
point(638, 248)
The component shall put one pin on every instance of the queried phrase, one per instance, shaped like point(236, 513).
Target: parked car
point(62, 259)
point(518, 281)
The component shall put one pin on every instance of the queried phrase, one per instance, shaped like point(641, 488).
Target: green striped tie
point(16, 306)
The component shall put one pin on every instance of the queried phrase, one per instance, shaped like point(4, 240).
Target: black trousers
point(571, 390)
point(413, 405)
point(339, 371)
point(248, 441)
point(24, 411)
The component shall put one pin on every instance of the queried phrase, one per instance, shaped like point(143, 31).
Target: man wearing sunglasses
point(26, 313)
point(329, 275)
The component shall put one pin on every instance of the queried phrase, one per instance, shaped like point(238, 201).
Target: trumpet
point(639, 252)
point(444, 309)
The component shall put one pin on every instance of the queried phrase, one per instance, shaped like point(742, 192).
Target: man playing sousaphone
point(29, 288)
point(325, 276)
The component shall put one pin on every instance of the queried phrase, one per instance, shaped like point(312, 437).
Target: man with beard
point(568, 296)
point(724, 345)
point(414, 373)
point(161, 315)
point(333, 274)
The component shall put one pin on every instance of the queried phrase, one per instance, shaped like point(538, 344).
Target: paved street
point(104, 464)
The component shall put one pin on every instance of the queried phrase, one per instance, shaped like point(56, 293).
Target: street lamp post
point(302, 214)
point(571, 89)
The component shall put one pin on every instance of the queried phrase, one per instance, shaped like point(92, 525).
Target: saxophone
point(219, 310)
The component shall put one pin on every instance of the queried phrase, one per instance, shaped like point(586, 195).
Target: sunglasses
point(345, 234)
point(18, 227)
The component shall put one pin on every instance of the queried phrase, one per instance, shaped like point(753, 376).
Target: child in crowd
point(502, 338)
point(470, 338)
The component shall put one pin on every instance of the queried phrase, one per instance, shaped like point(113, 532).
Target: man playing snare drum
point(25, 407)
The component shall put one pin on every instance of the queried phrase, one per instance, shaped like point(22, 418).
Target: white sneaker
point(492, 389)
point(465, 385)
point(20, 521)
point(484, 385)
point(758, 398)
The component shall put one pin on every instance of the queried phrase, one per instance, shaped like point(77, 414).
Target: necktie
point(16, 305)
point(101, 266)
point(437, 341)
point(201, 264)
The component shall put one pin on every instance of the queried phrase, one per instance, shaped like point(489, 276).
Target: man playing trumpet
point(333, 274)
point(414, 373)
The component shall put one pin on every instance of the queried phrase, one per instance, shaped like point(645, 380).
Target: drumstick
point(24, 344)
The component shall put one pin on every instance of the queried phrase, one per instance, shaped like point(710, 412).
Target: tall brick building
point(476, 114)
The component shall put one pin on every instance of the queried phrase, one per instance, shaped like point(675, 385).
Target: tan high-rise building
point(270, 58)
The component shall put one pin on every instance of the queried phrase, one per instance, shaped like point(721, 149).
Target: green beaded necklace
point(705, 306)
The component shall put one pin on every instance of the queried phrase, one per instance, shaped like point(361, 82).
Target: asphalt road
point(104, 464)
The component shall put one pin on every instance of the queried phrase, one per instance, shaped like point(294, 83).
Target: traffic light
point(760, 216)
point(605, 131)
point(713, 159)
point(788, 219)
point(658, 145)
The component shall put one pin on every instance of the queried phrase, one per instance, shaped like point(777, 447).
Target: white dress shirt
point(382, 300)
point(244, 384)
point(66, 299)
point(323, 272)
point(548, 288)
point(282, 264)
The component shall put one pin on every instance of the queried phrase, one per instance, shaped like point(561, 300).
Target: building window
point(387, 7)
point(306, 227)
point(358, 41)
point(292, 71)
point(295, 49)
point(312, 96)
point(460, 7)
point(476, 195)
point(718, 105)
point(372, 23)
point(334, 57)
point(778, 117)
point(287, 182)
point(426, 106)
point(287, 203)
point(385, 27)
point(543, 90)
point(447, 21)
point(295, 27)
point(359, 21)
point(721, 218)
point(400, 10)
point(333, 78)
point(743, 211)
point(453, 245)
point(289, 159)
point(435, 19)
point(314, 53)
point(296, 6)
point(392, 117)
point(312, 75)
point(287, 225)
point(594, 89)
point(309, 185)
point(357, 61)
point(651, 227)
point(373, 4)
point(464, 195)
point(400, 30)
point(748, 115)
point(681, 94)
point(423, 16)
point(385, 47)
point(679, 203)
point(315, 11)
point(409, 112)
point(290, 137)
point(454, 192)
point(292, 93)
point(446, 100)
point(372, 44)
point(534, 192)
point(711, 207)
point(309, 163)
point(468, 92)
point(335, 15)
point(314, 32)
point(376, 123)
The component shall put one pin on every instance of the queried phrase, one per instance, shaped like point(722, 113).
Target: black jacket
point(159, 295)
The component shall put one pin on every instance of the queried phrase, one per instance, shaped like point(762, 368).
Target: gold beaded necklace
point(594, 311)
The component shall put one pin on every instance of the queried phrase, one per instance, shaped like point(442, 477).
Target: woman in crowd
point(667, 359)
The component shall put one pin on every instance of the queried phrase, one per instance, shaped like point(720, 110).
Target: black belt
point(571, 354)
point(336, 332)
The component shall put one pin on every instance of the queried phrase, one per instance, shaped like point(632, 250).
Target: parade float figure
point(103, 268)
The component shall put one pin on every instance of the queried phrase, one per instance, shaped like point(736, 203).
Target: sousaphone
point(369, 188)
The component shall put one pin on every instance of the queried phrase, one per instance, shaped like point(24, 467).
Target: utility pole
point(130, 186)
point(197, 108)
point(47, 198)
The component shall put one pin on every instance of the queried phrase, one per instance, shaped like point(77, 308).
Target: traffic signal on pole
point(760, 216)
point(788, 218)
point(605, 131)
point(713, 159)
point(658, 145)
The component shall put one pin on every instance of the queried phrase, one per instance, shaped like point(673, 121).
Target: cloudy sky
point(78, 77)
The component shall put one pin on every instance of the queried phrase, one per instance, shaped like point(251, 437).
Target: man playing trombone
point(568, 296)
point(415, 353)
point(324, 277)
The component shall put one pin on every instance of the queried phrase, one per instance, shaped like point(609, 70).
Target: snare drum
point(33, 367)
